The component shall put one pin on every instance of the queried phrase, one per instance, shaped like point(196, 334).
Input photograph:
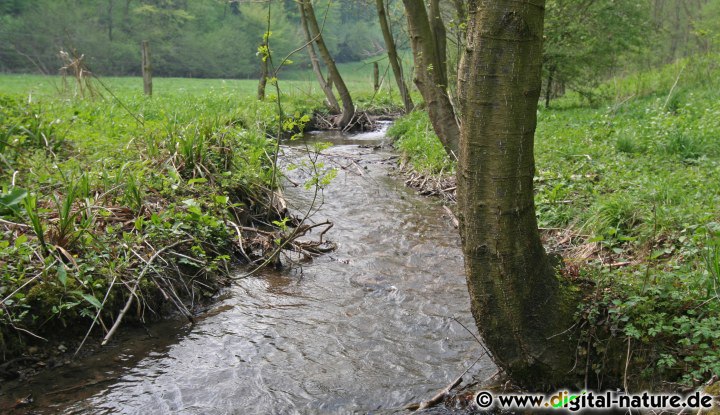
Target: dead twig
point(129, 302)
point(453, 218)
point(97, 316)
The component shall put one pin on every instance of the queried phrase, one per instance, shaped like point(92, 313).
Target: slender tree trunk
point(429, 79)
point(461, 15)
point(376, 76)
point(460, 35)
point(520, 308)
point(395, 62)
point(110, 20)
point(326, 86)
point(348, 109)
point(440, 35)
point(146, 68)
point(263, 70)
point(549, 85)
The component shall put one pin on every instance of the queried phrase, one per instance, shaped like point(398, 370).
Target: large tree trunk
point(348, 109)
point(430, 75)
point(326, 87)
point(395, 62)
point(519, 305)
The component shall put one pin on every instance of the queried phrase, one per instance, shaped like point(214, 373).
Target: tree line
point(199, 38)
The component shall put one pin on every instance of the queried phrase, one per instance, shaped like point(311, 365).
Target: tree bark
point(429, 76)
point(520, 307)
point(326, 87)
point(348, 109)
point(395, 62)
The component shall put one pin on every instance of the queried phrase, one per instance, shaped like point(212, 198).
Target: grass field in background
point(299, 83)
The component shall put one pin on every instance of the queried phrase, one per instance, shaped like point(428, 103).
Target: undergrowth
point(95, 194)
point(415, 139)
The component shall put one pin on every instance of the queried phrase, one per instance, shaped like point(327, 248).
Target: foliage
point(586, 41)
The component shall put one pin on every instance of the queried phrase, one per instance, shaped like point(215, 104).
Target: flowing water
point(364, 329)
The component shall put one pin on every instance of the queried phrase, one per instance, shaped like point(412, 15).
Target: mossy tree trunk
point(431, 70)
point(348, 109)
point(519, 305)
point(393, 57)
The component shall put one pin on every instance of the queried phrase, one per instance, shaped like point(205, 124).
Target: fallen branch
point(97, 315)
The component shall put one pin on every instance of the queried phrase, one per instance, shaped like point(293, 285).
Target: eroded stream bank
point(363, 329)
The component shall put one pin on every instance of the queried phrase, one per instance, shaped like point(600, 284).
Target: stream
point(364, 329)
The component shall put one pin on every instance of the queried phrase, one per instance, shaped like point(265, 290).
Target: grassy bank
point(628, 191)
point(122, 196)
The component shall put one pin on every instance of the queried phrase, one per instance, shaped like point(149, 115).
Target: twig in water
point(454, 218)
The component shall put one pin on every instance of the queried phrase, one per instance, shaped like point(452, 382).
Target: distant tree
point(585, 41)
point(263, 54)
point(393, 57)
point(325, 86)
point(427, 34)
point(707, 26)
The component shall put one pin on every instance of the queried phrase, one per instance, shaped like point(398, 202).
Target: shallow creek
point(363, 329)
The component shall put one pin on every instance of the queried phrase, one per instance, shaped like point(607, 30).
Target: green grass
point(638, 176)
point(416, 140)
point(91, 189)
